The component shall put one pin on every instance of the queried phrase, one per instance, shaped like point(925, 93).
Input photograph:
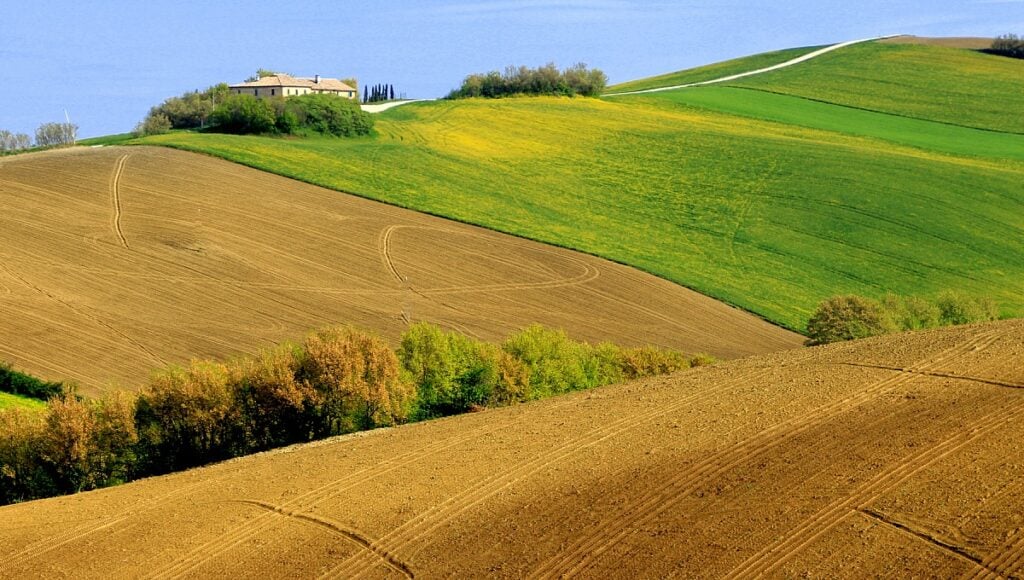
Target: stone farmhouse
point(282, 85)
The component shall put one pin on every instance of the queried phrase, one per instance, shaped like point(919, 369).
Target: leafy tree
point(56, 134)
point(14, 141)
point(545, 80)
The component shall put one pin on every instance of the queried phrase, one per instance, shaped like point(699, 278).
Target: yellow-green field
point(758, 212)
point(9, 401)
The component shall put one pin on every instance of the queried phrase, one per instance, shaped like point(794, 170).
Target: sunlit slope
point(767, 216)
point(894, 457)
point(951, 85)
point(919, 133)
point(713, 71)
point(116, 261)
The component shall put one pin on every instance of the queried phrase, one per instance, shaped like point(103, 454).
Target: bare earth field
point(115, 261)
point(969, 42)
point(892, 457)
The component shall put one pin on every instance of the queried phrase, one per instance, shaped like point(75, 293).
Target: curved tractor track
point(220, 259)
point(895, 456)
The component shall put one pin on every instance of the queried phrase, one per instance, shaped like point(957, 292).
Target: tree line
point(338, 380)
point(1008, 45)
point(378, 93)
point(47, 135)
point(576, 80)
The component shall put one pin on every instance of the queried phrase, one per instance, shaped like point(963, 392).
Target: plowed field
point(114, 261)
point(893, 457)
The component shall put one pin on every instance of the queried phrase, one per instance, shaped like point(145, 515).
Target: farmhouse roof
point(283, 80)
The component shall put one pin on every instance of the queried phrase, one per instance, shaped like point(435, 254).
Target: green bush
point(545, 80)
point(244, 114)
point(556, 363)
point(849, 317)
point(327, 115)
point(19, 383)
point(846, 318)
point(959, 308)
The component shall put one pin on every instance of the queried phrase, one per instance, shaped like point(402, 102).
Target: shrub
point(545, 80)
point(556, 364)
point(846, 318)
point(958, 308)
point(154, 124)
point(910, 312)
point(244, 114)
point(648, 361)
point(273, 404)
point(328, 115)
point(56, 134)
point(18, 383)
point(357, 377)
point(22, 476)
point(188, 417)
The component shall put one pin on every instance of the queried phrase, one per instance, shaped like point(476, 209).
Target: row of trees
point(1008, 45)
point(545, 80)
point(337, 381)
point(378, 93)
point(320, 114)
point(191, 110)
point(851, 317)
point(47, 135)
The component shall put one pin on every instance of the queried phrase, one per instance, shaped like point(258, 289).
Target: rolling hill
point(770, 202)
point(894, 456)
point(116, 261)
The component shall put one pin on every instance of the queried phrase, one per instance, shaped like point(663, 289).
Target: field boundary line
point(115, 195)
point(993, 382)
point(1003, 561)
point(724, 79)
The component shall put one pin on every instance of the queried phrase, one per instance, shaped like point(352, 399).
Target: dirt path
point(385, 106)
point(896, 456)
point(788, 63)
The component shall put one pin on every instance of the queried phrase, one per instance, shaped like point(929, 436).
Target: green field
point(767, 216)
point(802, 112)
point(949, 85)
point(9, 401)
point(713, 71)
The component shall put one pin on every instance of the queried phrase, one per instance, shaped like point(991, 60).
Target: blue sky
point(107, 62)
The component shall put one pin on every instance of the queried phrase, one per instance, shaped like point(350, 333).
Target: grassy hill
point(768, 202)
point(892, 457)
point(949, 85)
point(713, 71)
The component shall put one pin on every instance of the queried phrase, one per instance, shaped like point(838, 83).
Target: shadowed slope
point(893, 456)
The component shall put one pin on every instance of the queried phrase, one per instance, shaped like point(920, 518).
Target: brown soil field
point(969, 42)
point(115, 261)
point(898, 456)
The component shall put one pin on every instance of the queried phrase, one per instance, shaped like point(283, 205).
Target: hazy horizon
point(107, 63)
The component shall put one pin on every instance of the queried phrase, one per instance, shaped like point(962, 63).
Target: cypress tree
point(392, 92)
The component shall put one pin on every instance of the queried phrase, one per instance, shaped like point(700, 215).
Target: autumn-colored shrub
point(357, 377)
point(273, 404)
point(648, 361)
point(187, 417)
point(22, 475)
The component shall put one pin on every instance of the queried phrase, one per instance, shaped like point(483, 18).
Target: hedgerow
point(338, 380)
point(851, 317)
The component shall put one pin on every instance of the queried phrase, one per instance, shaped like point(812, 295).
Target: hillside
point(895, 456)
point(770, 206)
point(937, 83)
point(116, 261)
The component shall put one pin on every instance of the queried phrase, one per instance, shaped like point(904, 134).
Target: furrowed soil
point(892, 457)
point(115, 261)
